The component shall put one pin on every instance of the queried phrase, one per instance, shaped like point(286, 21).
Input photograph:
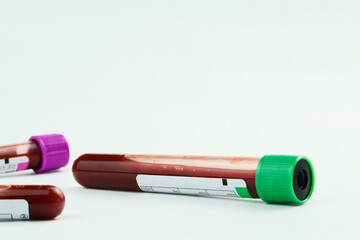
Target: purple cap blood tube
point(41, 153)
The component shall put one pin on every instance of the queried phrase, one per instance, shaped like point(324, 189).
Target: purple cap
point(54, 150)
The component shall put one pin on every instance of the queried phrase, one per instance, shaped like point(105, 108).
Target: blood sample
point(273, 178)
point(41, 153)
point(34, 202)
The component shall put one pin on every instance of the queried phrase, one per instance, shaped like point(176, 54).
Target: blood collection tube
point(30, 202)
point(273, 178)
point(41, 153)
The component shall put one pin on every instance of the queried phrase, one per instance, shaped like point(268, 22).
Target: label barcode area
point(189, 191)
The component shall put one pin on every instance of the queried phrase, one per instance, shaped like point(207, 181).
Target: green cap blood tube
point(273, 178)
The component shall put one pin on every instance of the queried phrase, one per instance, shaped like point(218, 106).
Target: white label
point(190, 185)
point(11, 164)
point(15, 209)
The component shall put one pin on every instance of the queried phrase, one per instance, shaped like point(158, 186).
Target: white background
point(243, 78)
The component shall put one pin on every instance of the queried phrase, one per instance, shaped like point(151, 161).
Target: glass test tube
point(31, 202)
point(41, 153)
point(273, 178)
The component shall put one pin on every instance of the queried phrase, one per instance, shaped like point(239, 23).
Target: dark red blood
point(118, 172)
point(33, 153)
point(45, 202)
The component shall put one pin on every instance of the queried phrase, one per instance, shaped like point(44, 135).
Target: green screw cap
point(284, 179)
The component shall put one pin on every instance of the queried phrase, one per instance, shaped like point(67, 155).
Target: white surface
point(241, 78)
